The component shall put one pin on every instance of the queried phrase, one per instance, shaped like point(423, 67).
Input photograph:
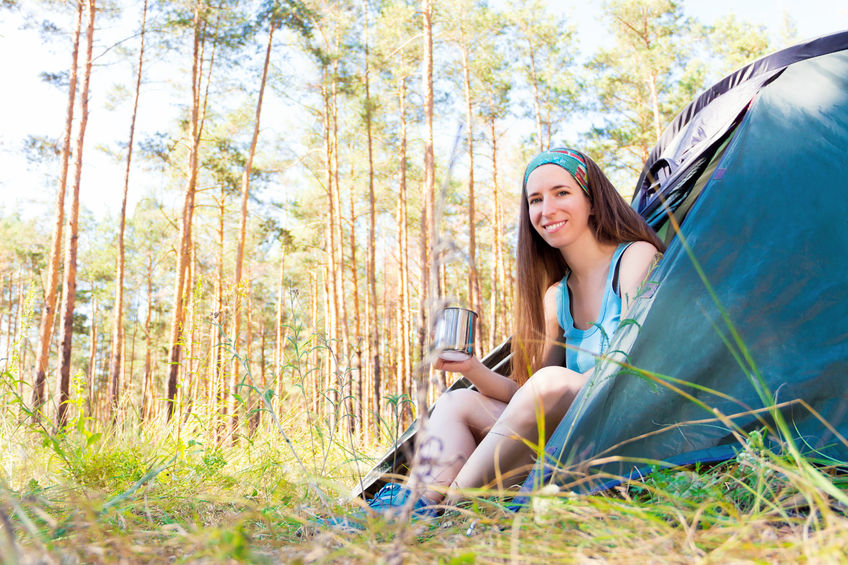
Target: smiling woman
point(582, 255)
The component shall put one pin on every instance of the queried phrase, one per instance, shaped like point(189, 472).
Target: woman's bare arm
point(636, 263)
point(486, 380)
point(553, 353)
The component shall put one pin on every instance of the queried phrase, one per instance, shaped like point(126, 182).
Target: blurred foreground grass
point(160, 496)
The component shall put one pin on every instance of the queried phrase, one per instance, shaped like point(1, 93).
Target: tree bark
point(48, 313)
point(118, 309)
point(92, 355)
point(69, 284)
point(357, 373)
point(536, 105)
point(429, 280)
point(184, 251)
point(146, 387)
point(474, 292)
point(498, 292)
point(245, 190)
point(403, 244)
point(217, 384)
point(374, 336)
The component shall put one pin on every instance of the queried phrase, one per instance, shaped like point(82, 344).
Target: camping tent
point(748, 309)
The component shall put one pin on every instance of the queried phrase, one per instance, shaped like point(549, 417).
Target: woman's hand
point(488, 382)
point(466, 365)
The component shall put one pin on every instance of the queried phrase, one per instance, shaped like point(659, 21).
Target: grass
point(167, 493)
point(150, 498)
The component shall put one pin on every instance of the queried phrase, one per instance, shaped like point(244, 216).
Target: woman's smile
point(559, 209)
point(553, 227)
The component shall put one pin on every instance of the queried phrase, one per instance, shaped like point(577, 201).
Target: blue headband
point(569, 159)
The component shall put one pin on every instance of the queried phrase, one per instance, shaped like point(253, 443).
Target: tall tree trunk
point(92, 355)
point(281, 329)
point(313, 357)
point(403, 243)
point(45, 328)
point(129, 380)
point(357, 373)
point(531, 50)
point(245, 190)
point(374, 336)
point(497, 244)
point(118, 310)
point(217, 386)
point(475, 300)
point(331, 269)
point(252, 405)
point(69, 284)
point(184, 251)
point(147, 386)
point(186, 393)
point(342, 332)
point(429, 280)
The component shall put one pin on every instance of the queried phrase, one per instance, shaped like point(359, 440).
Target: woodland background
point(312, 180)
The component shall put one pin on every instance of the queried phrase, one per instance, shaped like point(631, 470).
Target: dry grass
point(246, 503)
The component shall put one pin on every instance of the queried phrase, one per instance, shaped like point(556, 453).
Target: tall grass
point(168, 492)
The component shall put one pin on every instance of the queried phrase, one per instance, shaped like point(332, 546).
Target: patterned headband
point(569, 159)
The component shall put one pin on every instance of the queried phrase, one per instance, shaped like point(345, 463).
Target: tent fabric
point(770, 234)
point(713, 112)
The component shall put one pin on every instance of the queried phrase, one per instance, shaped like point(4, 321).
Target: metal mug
point(453, 339)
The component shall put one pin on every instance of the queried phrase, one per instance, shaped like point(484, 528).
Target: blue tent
point(748, 310)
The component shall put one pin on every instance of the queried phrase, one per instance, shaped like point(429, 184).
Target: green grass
point(153, 498)
point(169, 492)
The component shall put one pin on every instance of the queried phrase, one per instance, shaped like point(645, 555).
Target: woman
point(582, 255)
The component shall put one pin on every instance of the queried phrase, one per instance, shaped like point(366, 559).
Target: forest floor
point(167, 494)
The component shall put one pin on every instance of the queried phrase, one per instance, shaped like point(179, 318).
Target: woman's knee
point(457, 403)
point(548, 393)
point(551, 383)
point(468, 407)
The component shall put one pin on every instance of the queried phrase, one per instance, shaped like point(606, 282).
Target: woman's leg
point(502, 454)
point(459, 421)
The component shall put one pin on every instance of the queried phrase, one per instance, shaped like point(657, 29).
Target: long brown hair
point(540, 265)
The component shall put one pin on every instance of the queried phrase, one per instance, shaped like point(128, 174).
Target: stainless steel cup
point(453, 339)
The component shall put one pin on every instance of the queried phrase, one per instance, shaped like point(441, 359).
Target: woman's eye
point(562, 193)
point(534, 200)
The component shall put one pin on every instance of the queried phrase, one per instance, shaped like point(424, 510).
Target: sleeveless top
point(585, 345)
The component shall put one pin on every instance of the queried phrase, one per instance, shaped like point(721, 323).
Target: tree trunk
point(252, 403)
point(498, 292)
point(357, 373)
point(186, 393)
point(175, 343)
point(69, 284)
point(217, 395)
point(374, 336)
point(428, 224)
point(403, 243)
point(45, 328)
point(536, 105)
point(342, 334)
point(147, 386)
point(118, 309)
point(475, 300)
point(281, 329)
point(92, 356)
point(130, 381)
point(245, 190)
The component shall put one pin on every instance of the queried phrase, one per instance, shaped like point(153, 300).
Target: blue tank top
point(585, 345)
